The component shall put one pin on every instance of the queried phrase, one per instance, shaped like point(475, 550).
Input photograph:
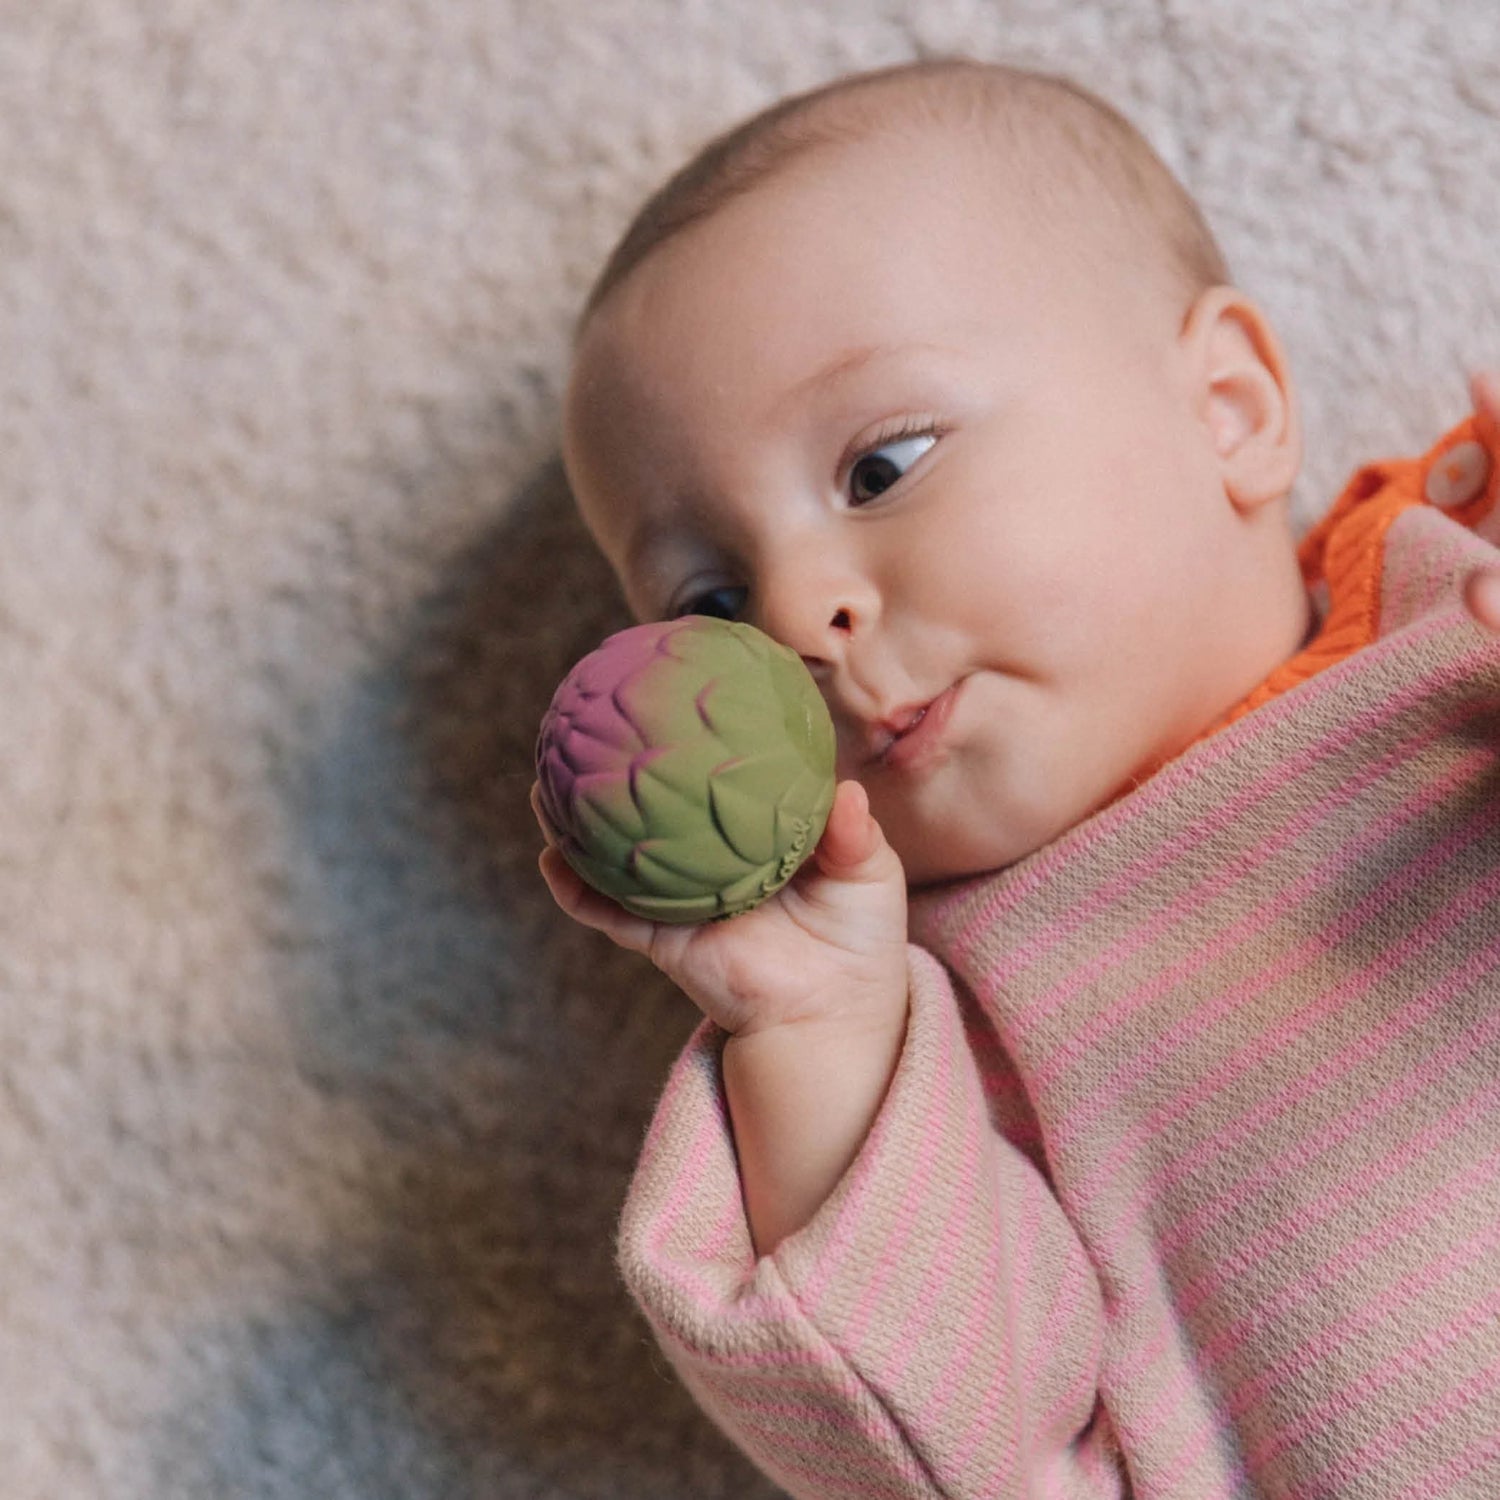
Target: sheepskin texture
point(315, 1114)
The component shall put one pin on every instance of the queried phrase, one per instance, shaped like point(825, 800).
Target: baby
point(1111, 1105)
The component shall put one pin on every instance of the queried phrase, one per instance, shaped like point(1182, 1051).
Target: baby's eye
point(723, 603)
point(876, 471)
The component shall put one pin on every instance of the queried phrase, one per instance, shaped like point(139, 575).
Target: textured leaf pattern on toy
point(687, 767)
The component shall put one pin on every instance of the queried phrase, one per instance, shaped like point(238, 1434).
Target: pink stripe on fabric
point(1004, 1095)
point(1434, 1341)
point(764, 1362)
point(730, 1221)
point(1444, 1481)
point(1086, 1380)
point(935, 1278)
point(1398, 1294)
point(1302, 1151)
point(1356, 1252)
point(1261, 1047)
point(1198, 1438)
point(863, 1174)
point(1196, 1442)
point(1149, 934)
point(851, 1487)
point(1127, 1145)
point(703, 1145)
point(855, 1477)
point(707, 1301)
point(990, 1378)
point(1368, 1046)
point(1025, 1241)
point(959, 1365)
point(789, 1389)
point(761, 1419)
point(766, 1417)
point(1245, 1124)
point(768, 1412)
point(707, 1297)
point(1214, 1351)
point(1024, 1237)
point(1162, 787)
point(1390, 1440)
point(1349, 1189)
point(1098, 1468)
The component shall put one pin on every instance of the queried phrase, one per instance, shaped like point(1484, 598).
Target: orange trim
point(1346, 549)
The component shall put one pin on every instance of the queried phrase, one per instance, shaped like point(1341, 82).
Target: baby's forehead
point(1062, 162)
point(782, 247)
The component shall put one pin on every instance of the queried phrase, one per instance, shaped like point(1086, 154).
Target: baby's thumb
point(852, 846)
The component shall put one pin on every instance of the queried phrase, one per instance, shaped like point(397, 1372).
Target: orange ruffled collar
point(1342, 560)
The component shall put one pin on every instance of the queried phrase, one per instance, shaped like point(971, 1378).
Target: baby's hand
point(1482, 591)
point(811, 986)
point(829, 946)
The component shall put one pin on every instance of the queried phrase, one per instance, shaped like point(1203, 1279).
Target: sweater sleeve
point(935, 1330)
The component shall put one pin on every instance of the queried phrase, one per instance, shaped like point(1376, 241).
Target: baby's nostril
point(841, 620)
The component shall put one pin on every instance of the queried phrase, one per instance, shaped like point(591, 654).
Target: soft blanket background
point(315, 1117)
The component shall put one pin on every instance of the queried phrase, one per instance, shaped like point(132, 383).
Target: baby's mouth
point(914, 739)
point(886, 731)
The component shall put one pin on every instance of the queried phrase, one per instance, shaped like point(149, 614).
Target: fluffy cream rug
point(314, 1116)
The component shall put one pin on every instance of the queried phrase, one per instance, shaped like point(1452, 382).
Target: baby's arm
point(914, 1314)
point(811, 988)
point(934, 1332)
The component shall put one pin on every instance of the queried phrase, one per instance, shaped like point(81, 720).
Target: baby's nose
point(839, 629)
point(817, 622)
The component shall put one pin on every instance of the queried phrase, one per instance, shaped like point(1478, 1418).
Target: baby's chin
point(937, 884)
point(929, 864)
point(935, 857)
point(938, 877)
point(990, 802)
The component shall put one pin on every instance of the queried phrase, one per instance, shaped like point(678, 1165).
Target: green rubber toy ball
point(686, 768)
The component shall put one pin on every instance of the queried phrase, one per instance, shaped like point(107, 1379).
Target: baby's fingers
point(584, 904)
point(1482, 597)
point(541, 817)
point(1484, 388)
point(852, 836)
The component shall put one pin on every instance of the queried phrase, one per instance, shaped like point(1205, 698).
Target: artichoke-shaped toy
point(687, 768)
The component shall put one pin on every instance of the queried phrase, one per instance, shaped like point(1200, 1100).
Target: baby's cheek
point(852, 769)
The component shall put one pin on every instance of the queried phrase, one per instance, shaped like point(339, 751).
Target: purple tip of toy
point(584, 730)
point(619, 657)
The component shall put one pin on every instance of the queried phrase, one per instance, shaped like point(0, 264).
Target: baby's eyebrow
point(850, 362)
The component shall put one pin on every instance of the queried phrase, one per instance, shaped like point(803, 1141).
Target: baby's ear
point(1244, 396)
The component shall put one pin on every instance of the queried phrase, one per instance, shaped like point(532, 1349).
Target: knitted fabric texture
point(1188, 1180)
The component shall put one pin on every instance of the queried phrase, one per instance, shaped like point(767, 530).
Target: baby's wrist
point(802, 1097)
point(872, 1011)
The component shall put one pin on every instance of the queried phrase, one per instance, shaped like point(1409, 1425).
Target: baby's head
point(936, 376)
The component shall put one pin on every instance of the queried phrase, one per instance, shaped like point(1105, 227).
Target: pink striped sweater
point(1188, 1180)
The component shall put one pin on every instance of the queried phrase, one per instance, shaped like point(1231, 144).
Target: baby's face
point(871, 409)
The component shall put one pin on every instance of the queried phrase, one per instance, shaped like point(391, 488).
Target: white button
point(1458, 476)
